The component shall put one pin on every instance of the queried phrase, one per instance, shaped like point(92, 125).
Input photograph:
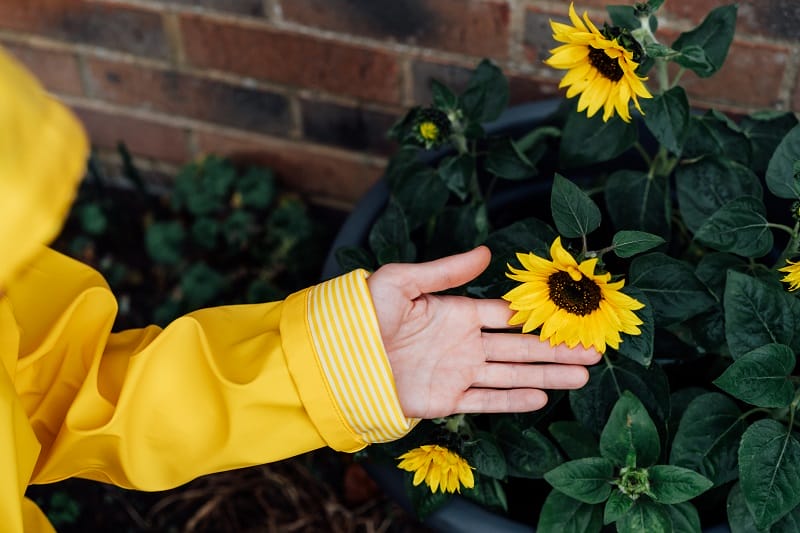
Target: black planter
point(459, 514)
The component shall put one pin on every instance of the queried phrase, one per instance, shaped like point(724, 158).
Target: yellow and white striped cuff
point(347, 340)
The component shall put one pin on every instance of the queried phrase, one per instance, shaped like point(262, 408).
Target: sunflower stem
point(792, 246)
point(642, 152)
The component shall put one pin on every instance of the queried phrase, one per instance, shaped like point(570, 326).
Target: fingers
point(516, 376)
point(439, 275)
point(501, 401)
point(525, 348)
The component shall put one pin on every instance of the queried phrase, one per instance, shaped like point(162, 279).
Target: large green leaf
point(761, 376)
point(670, 285)
point(505, 160)
point(485, 455)
point(456, 173)
point(630, 433)
point(577, 441)
point(707, 440)
point(637, 201)
point(587, 480)
point(674, 484)
point(769, 466)
point(587, 141)
point(592, 404)
point(629, 243)
point(667, 117)
point(756, 313)
point(419, 208)
point(646, 516)
point(486, 95)
point(713, 268)
point(528, 453)
point(616, 506)
point(684, 517)
point(639, 347)
point(562, 514)
point(574, 213)
point(389, 237)
point(740, 227)
point(739, 517)
point(781, 178)
point(715, 134)
point(705, 186)
point(714, 36)
point(766, 130)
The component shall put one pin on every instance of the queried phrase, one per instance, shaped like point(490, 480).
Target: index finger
point(527, 348)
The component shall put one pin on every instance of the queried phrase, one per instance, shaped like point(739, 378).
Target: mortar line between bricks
point(516, 32)
point(789, 83)
point(219, 129)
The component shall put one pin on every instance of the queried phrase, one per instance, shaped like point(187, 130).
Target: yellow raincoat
point(151, 409)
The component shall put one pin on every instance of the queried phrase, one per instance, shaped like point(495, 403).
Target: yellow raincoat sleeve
point(220, 388)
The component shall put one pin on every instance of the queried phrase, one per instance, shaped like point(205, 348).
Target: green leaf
point(506, 160)
point(354, 257)
point(674, 484)
point(766, 130)
point(574, 213)
point(586, 141)
point(562, 514)
point(713, 36)
point(713, 268)
point(707, 440)
point(761, 377)
point(684, 518)
point(666, 115)
point(637, 201)
point(489, 493)
point(486, 95)
point(528, 453)
point(456, 172)
point(715, 134)
point(645, 516)
point(200, 285)
point(694, 58)
point(629, 243)
point(670, 285)
point(419, 208)
point(164, 240)
point(705, 186)
point(592, 404)
point(756, 314)
point(781, 179)
point(389, 238)
point(485, 455)
point(740, 227)
point(739, 516)
point(443, 97)
point(617, 505)
point(423, 501)
point(574, 439)
point(639, 347)
point(587, 480)
point(630, 432)
point(769, 466)
point(257, 187)
point(623, 16)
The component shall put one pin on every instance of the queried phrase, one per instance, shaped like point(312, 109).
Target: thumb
point(447, 272)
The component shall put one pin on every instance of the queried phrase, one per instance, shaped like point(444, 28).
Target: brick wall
point(309, 87)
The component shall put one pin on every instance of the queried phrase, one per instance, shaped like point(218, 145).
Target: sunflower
point(601, 66)
point(431, 127)
point(570, 302)
point(792, 276)
point(439, 467)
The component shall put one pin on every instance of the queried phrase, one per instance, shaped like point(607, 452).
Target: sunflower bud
point(634, 482)
point(431, 127)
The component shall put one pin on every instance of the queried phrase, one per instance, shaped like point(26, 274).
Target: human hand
point(442, 360)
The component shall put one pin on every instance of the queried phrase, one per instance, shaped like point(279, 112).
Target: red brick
point(349, 127)
point(795, 103)
point(239, 7)
point(142, 137)
point(528, 89)
point(775, 19)
point(115, 27)
point(538, 39)
point(478, 28)
point(185, 95)
point(57, 70)
point(750, 77)
point(292, 59)
point(320, 173)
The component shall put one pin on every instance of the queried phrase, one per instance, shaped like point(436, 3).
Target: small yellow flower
point(440, 468)
point(792, 276)
point(570, 302)
point(431, 127)
point(599, 68)
point(429, 131)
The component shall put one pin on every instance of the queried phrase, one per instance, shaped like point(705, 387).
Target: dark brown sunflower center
point(607, 66)
point(576, 297)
